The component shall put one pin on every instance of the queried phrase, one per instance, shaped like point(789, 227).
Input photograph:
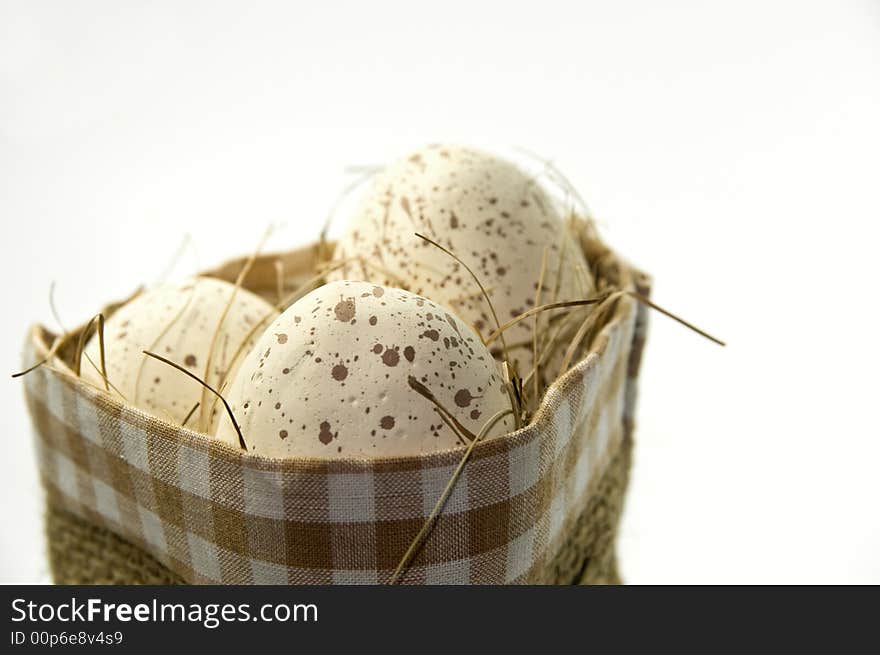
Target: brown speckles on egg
point(390, 357)
point(181, 322)
point(373, 320)
point(404, 203)
point(281, 338)
point(493, 215)
point(282, 434)
point(345, 310)
point(325, 436)
point(350, 390)
point(463, 398)
point(452, 322)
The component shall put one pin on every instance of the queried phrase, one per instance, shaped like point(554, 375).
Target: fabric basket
point(132, 498)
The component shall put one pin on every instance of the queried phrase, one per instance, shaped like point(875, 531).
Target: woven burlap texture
point(133, 498)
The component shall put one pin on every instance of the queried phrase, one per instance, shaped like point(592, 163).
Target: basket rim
point(40, 340)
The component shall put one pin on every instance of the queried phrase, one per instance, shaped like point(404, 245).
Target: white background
point(730, 149)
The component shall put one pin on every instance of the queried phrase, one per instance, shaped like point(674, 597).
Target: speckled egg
point(330, 378)
point(177, 322)
point(488, 212)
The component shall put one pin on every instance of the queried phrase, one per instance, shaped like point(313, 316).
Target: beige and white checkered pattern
point(212, 514)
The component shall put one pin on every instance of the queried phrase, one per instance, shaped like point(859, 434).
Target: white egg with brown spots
point(330, 378)
point(488, 212)
point(179, 323)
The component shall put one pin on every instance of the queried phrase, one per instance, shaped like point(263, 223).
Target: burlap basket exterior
point(134, 499)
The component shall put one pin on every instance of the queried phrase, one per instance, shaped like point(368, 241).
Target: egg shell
point(488, 212)
point(177, 322)
point(330, 378)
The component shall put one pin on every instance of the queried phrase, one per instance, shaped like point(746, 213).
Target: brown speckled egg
point(330, 378)
point(488, 212)
point(177, 322)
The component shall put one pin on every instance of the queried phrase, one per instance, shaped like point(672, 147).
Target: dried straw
point(477, 280)
point(162, 333)
point(423, 390)
point(204, 416)
point(204, 384)
point(80, 346)
point(498, 333)
point(538, 291)
point(441, 501)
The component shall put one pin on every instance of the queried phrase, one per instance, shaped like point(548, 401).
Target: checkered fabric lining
point(213, 514)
